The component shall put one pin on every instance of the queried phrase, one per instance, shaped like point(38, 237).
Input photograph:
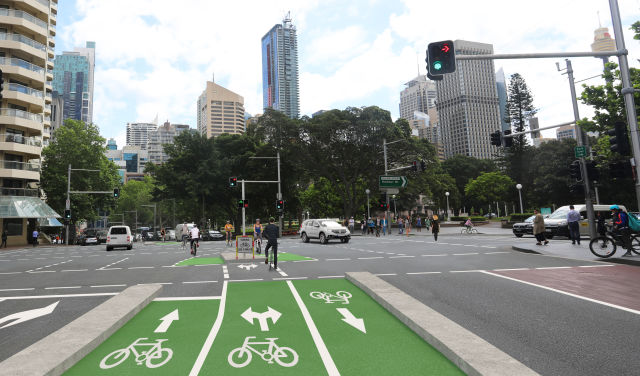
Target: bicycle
point(284, 356)
point(469, 230)
point(606, 245)
point(259, 245)
point(194, 246)
point(228, 238)
point(156, 352)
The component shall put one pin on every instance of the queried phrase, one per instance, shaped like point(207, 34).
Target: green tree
point(79, 145)
point(133, 196)
point(463, 169)
point(489, 187)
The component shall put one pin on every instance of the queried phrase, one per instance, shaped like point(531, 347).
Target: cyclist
point(621, 226)
point(227, 229)
point(194, 235)
point(468, 224)
point(185, 234)
point(272, 233)
point(257, 232)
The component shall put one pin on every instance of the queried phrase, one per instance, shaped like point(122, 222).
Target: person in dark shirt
point(271, 232)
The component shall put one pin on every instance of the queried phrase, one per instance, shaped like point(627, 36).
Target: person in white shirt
point(194, 235)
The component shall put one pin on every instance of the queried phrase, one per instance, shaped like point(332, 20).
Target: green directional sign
point(580, 151)
point(387, 181)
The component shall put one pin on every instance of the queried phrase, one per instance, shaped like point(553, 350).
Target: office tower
point(73, 80)
point(27, 42)
point(138, 134)
point(111, 144)
point(468, 106)
point(567, 131)
point(220, 110)
point(162, 136)
point(280, 69)
point(57, 110)
point(131, 161)
point(534, 125)
point(419, 95)
point(501, 87)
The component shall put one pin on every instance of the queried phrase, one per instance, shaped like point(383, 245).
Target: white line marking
point(400, 256)
point(419, 273)
point(282, 273)
point(554, 267)
point(340, 259)
point(465, 254)
point(330, 366)
point(110, 269)
point(370, 258)
point(288, 278)
point(506, 270)
point(141, 267)
point(174, 266)
point(113, 263)
point(99, 286)
point(11, 273)
point(594, 266)
point(444, 254)
point(41, 271)
point(225, 271)
point(331, 276)
point(466, 271)
point(201, 282)
point(385, 274)
point(306, 260)
point(74, 270)
point(156, 283)
point(566, 293)
point(63, 287)
point(170, 299)
point(246, 280)
point(57, 296)
point(25, 289)
point(212, 334)
point(495, 253)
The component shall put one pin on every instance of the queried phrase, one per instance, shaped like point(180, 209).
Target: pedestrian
point(419, 224)
point(352, 224)
point(378, 225)
point(162, 232)
point(271, 232)
point(427, 223)
point(363, 226)
point(573, 222)
point(5, 234)
point(400, 229)
point(435, 227)
point(538, 228)
point(34, 236)
point(145, 233)
point(384, 226)
point(407, 221)
point(371, 224)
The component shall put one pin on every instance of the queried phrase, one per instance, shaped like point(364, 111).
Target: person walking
point(419, 224)
point(538, 228)
point(34, 236)
point(5, 234)
point(384, 226)
point(371, 224)
point(363, 226)
point(407, 221)
point(400, 229)
point(162, 233)
point(427, 223)
point(435, 227)
point(573, 222)
point(271, 232)
point(378, 225)
point(352, 225)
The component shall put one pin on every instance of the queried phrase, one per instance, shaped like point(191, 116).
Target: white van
point(119, 236)
point(556, 223)
point(179, 233)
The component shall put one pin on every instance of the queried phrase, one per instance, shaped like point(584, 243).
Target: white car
point(119, 236)
point(323, 229)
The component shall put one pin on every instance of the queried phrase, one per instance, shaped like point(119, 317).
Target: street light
point(447, 194)
point(368, 212)
point(519, 187)
point(395, 212)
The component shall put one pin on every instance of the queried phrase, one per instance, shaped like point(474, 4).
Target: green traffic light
point(437, 65)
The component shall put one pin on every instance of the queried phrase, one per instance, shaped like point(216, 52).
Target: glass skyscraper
point(73, 81)
point(280, 69)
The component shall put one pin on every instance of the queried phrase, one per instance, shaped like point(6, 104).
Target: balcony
point(18, 139)
point(23, 15)
point(15, 62)
point(21, 119)
point(24, 40)
point(26, 90)
point(30, 146)
point(20, 170)
point(24, 192)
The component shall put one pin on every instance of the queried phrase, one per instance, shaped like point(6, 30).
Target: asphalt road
point(585, 326)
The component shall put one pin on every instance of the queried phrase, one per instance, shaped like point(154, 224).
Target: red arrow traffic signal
point(445, 48)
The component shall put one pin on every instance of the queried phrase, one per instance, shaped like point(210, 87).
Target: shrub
point(517, 217)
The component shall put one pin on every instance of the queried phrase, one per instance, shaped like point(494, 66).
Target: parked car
point(324, 230)
point(212, 235)
point(119, 237)
point(526, 228)
point(557, 221)
point(88, 237)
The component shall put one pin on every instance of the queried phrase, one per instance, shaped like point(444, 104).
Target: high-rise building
point(73, 80)
point(162, 136)
point(534, 124)
point(131, 160)
point(468, 106)
point(602, 40)
point(567, 131)
point(280, 88)
point(112, 144)
point(419, 95)
point(501, 87)
point(138, 134)
point(27, 42)
point(57, 111)
point(220, 110)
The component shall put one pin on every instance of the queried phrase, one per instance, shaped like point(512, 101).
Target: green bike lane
point(262, 328)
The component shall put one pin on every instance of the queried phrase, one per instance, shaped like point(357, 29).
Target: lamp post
point(368, 211)
point(519, 187)
point(447, 194)
point(395, 212)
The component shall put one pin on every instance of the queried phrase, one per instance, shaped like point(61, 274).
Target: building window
point(13, 226)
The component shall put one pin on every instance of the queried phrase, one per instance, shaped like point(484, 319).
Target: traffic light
point(280, 206)
point(423, 166)
point(441, 58)
point(67, 214)
point(233, 181)
point(592, 171)
point(574, 170)
point(116, 192)
point(508, 141)
point(414, 165)
point(619, 139)
point(576, 189)
point(496, 138)
point(1, 84)
point(383, 206)
point(620, 170)
point(243, 204)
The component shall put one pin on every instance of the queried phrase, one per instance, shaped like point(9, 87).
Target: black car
point(89, 237)
point(524, 228)
point(212, 235)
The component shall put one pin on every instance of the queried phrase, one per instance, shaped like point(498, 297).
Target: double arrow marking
point(271, 313)
point(350, 319)
point(248, 267)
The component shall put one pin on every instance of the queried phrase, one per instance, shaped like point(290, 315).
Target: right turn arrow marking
point(350, 319)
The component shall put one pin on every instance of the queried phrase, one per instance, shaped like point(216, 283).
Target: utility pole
point(280, 220)
point(68, 205)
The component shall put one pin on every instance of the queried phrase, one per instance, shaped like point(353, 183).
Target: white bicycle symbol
point(340, 296)
point(241, 356)
point(155, 357)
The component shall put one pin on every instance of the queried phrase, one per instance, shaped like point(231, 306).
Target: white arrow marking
point(271, 313)
point(350, 319)
point(247, 267)
point(27, 315)
point(167, 321)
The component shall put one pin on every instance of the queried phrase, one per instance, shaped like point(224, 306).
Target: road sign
point(580, 151)
point(244, 244)
point(387, 181)
point(391, 191)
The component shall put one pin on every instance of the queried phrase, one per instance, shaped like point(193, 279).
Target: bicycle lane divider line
point(212, 334)
point(358, 331)
point(329, 365)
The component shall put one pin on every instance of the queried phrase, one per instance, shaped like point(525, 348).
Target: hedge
point(519, 217)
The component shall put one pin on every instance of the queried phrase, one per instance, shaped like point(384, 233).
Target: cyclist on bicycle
point(257, 232)
point(468, 224)
point(621, 226)
point(227, 229)
point(194, 235)
point(272, 233)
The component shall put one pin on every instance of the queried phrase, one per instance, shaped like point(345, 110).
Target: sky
point(153, 57)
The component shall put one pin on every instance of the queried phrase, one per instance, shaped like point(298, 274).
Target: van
point(556, 223)
point(119, 236)
point(179, 233)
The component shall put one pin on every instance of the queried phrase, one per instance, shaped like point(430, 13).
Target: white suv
point(119, 236)
point(323, 229)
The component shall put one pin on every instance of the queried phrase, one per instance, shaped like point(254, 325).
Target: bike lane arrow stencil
point(21, 317)
point(271, 313)
point(167, 321)
point(350, 319)
point(248, 267)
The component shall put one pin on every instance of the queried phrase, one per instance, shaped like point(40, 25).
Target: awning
point(25, 207)
point(49, 222)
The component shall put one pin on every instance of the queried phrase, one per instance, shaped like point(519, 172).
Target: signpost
point(580, 151)
point(244, 244)
point(388, 181)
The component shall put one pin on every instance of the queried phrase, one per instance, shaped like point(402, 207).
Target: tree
point(489, 187)
point(133, 196)
point(79, 145)
point(463, 169)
